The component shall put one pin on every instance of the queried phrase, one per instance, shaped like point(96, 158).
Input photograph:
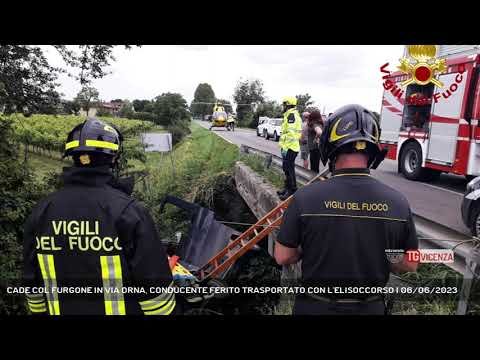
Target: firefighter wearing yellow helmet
point(344, 229)
point(91, 234)
point(290, 144)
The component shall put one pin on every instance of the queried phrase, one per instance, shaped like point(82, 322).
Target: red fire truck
point(430, 130)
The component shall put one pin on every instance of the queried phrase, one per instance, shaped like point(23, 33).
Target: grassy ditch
point(197, 170)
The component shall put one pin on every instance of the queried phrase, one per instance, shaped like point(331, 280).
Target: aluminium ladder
point(247, 240)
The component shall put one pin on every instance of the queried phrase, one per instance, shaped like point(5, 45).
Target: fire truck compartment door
point(445, 121)
point(391, 117)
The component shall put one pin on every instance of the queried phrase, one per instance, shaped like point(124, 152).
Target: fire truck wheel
point(411, 164)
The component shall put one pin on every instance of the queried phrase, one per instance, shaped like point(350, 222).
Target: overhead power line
point(210, 103)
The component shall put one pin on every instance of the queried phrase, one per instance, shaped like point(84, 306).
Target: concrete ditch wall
point(261, 197)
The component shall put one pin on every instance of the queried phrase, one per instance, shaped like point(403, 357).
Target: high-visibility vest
point(291, 130)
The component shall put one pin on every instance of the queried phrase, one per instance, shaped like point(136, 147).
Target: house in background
point(112, 108)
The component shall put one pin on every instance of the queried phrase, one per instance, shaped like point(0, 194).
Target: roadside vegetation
point(200, 169)
point(435, 275)
point(257, 163)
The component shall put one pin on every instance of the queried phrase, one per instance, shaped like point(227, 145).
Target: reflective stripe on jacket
point(94, 240)
point(291, 130)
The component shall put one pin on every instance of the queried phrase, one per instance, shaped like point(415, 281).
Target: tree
point(247, 92)
point(149, 107)
point(51, 103)
point(203, 100)
point(28, 81)
point(101, 111)
point(69, 107)
point(303, 101)
point(90, 60)
point(271, 109)
point(87, 97)
point(126, 111)
point(171, 111)
point(139, 105)
point(226, 104)
point(171, 108)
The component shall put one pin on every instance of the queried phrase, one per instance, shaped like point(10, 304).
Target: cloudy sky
point(333, 75)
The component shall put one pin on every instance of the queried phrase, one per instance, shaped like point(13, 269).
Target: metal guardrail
point(432, 235)
point(303, 175)
point(466, 253)
point(437, 236)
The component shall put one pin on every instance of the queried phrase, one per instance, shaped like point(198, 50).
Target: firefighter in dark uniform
point(90, 248)
point(343, 228)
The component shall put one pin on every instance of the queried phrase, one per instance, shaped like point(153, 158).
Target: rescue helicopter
point(219, 116)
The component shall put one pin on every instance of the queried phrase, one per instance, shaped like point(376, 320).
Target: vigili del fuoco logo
point(422, 69)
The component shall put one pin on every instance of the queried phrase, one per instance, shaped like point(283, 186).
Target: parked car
point(471, 206)
point(261, 125)
point(273, 129)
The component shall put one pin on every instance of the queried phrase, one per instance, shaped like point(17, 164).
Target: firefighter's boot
point(284, 191)
point(287, 194)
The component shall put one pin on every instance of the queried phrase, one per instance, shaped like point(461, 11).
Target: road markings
point(215, 132)
point(398, 176)
point(224, 138)
point(441, 188)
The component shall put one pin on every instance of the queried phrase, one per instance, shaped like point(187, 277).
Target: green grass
point(198, 166)
point(42, 165)
point(433, 275)
point(201, 153)
point(193, 164)
point(257, 163)
point(157, 130)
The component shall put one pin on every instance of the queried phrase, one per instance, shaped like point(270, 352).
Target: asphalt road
point(438, 201)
